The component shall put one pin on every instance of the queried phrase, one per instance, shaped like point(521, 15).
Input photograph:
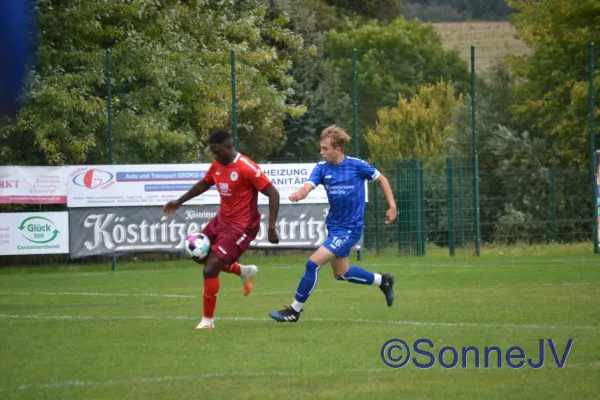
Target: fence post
point(592, 146)
point(401, 207)
point(475, 155)
point(422, 205)
point(419, 203)
point(460, 210)
point(450, 206)
point(233, 101)
point(354, 103)
point(376, 205)
point(234, 106)
point(109, 106)
point(554, 205)
point(111, 154)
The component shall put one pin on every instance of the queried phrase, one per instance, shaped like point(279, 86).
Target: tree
point(553, 84)
point(392, 60)
point(515, 172)
point(383, 10)
point(317, 83)
point(171, 80)
point(416, 127)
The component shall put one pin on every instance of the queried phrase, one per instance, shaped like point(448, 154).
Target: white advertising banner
point(156, 184)
point(33, 185)
point(34, 233)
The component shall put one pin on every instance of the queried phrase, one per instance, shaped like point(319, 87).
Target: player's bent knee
point(340, 275)
point(340, 268)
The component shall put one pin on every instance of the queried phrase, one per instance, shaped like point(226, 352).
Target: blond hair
point(336, 135)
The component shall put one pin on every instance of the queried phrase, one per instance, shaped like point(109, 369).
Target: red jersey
point(238, 184)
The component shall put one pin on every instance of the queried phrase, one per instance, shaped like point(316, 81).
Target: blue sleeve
point(367, 171)
point(316, 176)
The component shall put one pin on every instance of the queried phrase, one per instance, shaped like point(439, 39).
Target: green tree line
point(171, 84)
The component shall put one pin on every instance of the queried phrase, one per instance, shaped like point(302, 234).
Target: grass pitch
point(130, 334)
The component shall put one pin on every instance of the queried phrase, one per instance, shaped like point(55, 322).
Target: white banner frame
point(33, 185)
point(155, 184)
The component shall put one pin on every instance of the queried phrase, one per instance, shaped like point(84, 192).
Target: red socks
point(211, 288)
point(233, 269)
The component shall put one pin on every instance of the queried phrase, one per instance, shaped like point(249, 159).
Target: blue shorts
point(341, 241)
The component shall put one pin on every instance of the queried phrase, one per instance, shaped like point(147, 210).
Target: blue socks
point(308, 282)
point(307, 285)
point(311, 276)
point(358, 275)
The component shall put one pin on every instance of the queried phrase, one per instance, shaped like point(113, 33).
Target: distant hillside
point(492, 40)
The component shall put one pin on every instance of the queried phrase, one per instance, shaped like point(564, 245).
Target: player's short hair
point(336, 135)
point(219, 136)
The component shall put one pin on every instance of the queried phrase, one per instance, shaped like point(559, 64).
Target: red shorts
point(227, 240)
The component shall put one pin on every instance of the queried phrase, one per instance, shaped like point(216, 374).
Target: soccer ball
point(197, 246)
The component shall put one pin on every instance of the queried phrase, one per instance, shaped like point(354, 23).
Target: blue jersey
point(345, 187)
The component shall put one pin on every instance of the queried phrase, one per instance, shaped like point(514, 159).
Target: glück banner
point(112, 231)
point(34, 233)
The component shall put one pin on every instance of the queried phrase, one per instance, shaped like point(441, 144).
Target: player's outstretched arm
point(390, 215)
point(273, 194)
point(302, 192)
point(200, 187)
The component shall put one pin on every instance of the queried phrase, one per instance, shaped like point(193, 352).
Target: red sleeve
point(208, 177)
point(254, 174)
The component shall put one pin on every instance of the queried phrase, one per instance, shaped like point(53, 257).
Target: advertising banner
point(34, 233)
point(154, 185)
point(33, 185)
point(112, 230)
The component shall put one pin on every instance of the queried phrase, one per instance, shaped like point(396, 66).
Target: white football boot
point(247, 275)
point(206, 323)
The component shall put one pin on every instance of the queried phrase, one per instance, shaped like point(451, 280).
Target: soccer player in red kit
point(238, 181)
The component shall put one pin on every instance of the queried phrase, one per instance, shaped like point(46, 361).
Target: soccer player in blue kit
point(344, 180)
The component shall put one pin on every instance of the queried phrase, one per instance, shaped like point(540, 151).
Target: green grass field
point(91, 334)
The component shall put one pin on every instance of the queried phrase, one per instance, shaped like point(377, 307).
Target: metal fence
point(484, 159)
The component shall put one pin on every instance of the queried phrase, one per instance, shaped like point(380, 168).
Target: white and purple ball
point(197, 246)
